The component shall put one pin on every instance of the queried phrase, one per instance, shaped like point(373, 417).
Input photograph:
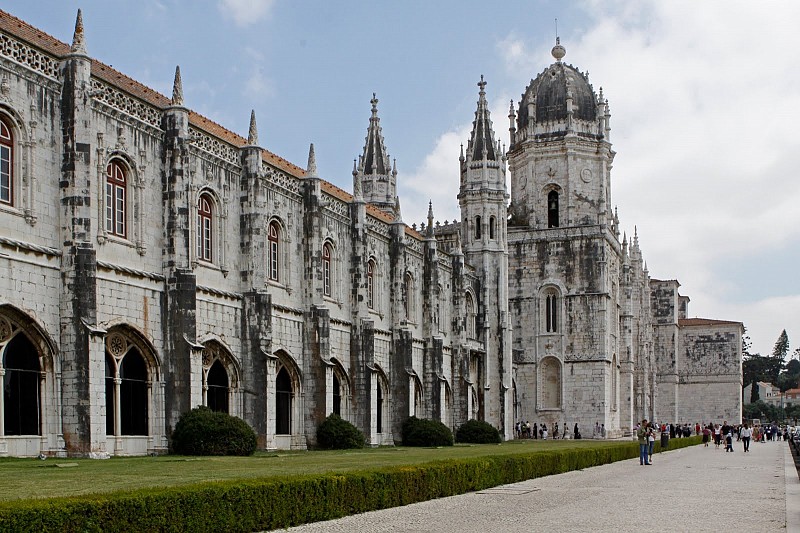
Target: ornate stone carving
point(30, 57)
point(116, 345)
point(5, 330)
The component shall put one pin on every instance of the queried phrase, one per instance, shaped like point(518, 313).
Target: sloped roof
point(706, 322)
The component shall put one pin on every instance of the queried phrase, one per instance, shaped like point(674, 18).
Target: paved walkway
point(692, 489)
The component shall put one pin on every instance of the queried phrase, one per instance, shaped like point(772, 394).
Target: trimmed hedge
point(478, 432)
point(424, 432)
point(281, 503)
point(202, 431)
point(337, 434)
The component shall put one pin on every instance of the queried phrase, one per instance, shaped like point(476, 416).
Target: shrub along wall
point(280, 503)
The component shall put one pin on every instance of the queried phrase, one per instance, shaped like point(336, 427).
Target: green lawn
point(32, 478)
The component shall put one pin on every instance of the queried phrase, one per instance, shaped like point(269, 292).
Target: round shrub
point(478, 432)
point(337, 434)
point(202, 431)
point(423, 432)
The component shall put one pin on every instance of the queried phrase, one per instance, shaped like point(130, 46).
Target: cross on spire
point(482, 85)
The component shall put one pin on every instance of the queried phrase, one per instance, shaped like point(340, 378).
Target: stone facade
point(153, 261)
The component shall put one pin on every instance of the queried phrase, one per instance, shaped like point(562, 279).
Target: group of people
point(743, 433)
point(526, 430)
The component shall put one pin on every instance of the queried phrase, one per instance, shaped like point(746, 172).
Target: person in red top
point(697, 428)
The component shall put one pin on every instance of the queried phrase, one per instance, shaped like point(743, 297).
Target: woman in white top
point(745, 433)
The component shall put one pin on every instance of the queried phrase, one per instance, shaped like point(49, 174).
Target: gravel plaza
point(691, 489)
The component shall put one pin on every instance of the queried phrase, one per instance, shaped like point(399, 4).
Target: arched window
point(471, 317)
point(477, 227)
point(116, 199)
point(326, 269)
point(614, 382)
point(408, 296)
point(550, 383)
point(283, 403)
point(379, 409)
point(273, 236)
point(337, 396)
point(21, 392)
point(217, 393)
point(552, 209)
point(492, 223)
point(551, 311)
point(6, 164)
point(127, 397)
point(371, 284)
point(205, 239)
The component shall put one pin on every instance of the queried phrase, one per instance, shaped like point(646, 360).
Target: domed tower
point(564, 253)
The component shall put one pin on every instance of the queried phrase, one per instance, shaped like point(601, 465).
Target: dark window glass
point(133, 393)
point(552, 209)
point(21, 387)
point(283, 403)
point(217, 393)
point(337, 396)
point(379, 413)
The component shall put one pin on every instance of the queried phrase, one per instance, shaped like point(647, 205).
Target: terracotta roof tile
point(706, 322)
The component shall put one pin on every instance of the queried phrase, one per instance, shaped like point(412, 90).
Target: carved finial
point(461, 157)
point(394, 167)
point(78, 44)
point(482, 85)
point(374, 103)
point(252, 135)
point(430, 218)
point(177, 88)
point(311, 169)
point(397, 216)
point(356, 184)
point(558, 51)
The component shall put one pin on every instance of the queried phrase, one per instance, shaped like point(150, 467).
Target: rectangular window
point(109, 208)
point(5, 174)
point(199, 237)
point(326, 275)
point(120, 211)
point(273, 261)
point(207, 239)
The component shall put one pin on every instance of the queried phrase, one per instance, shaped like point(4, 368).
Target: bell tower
point(483, 201)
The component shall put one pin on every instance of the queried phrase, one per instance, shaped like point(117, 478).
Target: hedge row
point(280, 503)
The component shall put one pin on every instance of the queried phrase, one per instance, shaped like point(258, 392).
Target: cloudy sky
point(704, 98)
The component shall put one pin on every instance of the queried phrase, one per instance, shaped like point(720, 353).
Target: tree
point(781, 349)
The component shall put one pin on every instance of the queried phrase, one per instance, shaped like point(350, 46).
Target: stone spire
point(311, 168)
point(252, 135)
point(357, 196)
point(398, 217)
point(481, 145)
point(177, 88)
point(78, 44)
point(429, 232)
point(377, 176)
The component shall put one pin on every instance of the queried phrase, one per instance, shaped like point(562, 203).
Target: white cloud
point(259, 86)
point(246, 12)
point(703, 100)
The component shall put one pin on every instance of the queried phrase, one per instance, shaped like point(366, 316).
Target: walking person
point(641, 435)
point(745, 435)
point(651, 441)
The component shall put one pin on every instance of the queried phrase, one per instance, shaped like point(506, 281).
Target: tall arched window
point(205, 239)
point(21, 392)
point(337, 395)
point(326, 269)
point(471, 317)
point(6, 164)
point(217, 393)
point(283, 403)
point(477, 227)
point(492, 224)
point(379, 409)
point(552, 209)
point(614, 382)
point(551, 311)
point(550, 383)
point(408, 296)
point(127, 395)
point(371, 284)
point(116, 199)
point(273, 236)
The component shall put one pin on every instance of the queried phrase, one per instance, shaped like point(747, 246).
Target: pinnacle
point(177, 88)
point(78, 44)
point(252, 136)
point(311, 169)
